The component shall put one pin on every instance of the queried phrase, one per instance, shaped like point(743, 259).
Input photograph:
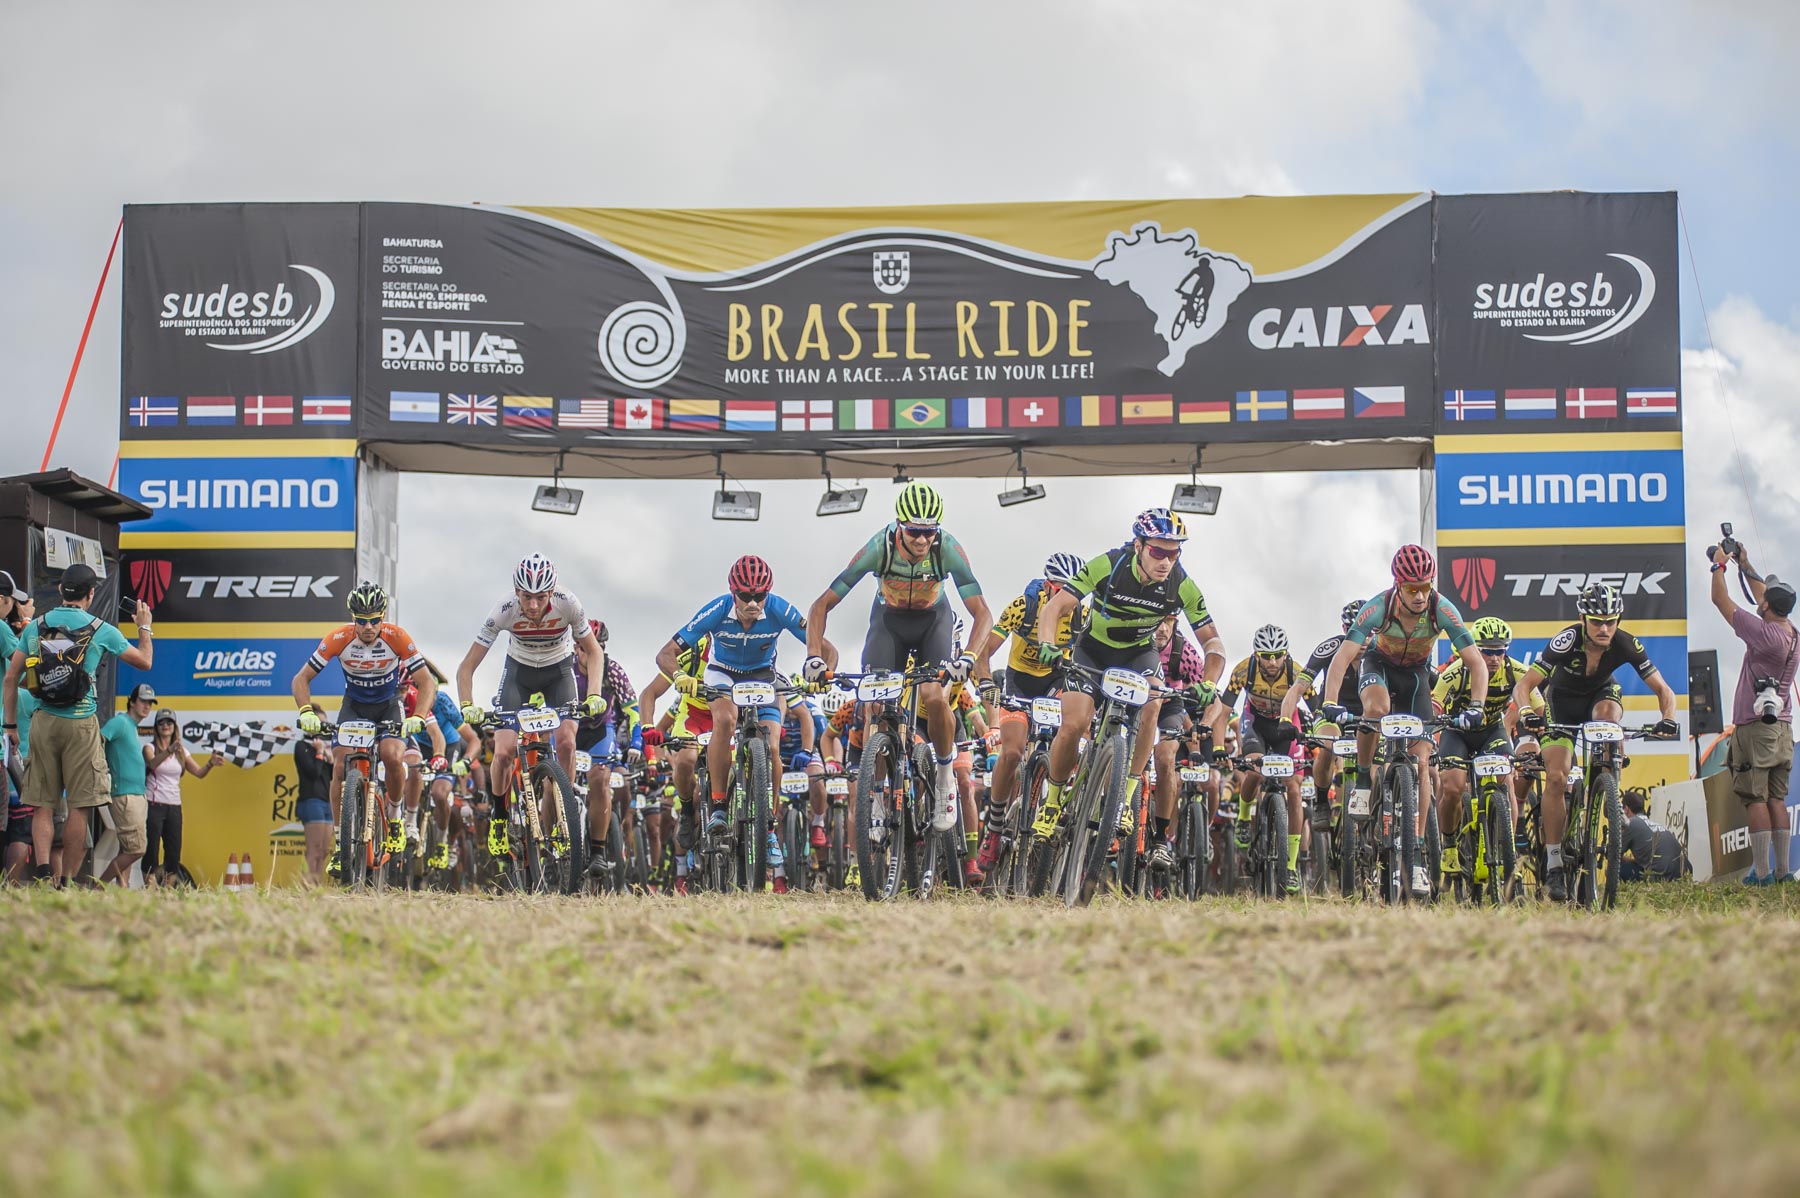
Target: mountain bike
point(365, 808)
point(1378, 834)
point(1224, 874)
point(740, 859)
point(1089, 819)
point(896, 845)
point(1485, 847)
point(1265, 852)
point(1193, 844)
point(1594, 841)
point(839, 853)
point(694, 837)
point(1013, 870)
point(796, 828)
point(1317, 869)
point(1528, 836)
point(543, 808)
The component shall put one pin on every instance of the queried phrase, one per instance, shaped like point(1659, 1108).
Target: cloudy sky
point(771, 103)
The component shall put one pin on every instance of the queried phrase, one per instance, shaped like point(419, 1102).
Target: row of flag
point(1577, 403)
point(543, 412)
point(249, 411)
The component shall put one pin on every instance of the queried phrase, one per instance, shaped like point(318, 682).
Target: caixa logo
point(1574, 311)
point(1340, 326)
point(245, 321)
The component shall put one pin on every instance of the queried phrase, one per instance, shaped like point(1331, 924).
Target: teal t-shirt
point(9, 641)
point(124, 754)
point(107, 639)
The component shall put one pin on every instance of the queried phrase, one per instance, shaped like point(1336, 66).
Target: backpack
point(59, 677)
point(936, 556)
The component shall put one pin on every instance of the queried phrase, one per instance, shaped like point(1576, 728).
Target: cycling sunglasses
point(924, 532)
point(1271, 654)
point(1602, 621)
point(750, 596)
point(1416, 588)
point(1161, 554)
point(1492, 650)
point(370, 622)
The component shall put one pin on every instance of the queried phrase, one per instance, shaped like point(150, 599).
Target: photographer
point(1762, 712)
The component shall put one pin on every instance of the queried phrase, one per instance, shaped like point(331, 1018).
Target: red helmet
point(598, 628)
point(1414, 563)
point(412, 697)
point(750, 575)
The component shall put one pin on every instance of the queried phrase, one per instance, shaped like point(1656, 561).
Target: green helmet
point(367, 601)
point(919, 504)
point(1491, 632)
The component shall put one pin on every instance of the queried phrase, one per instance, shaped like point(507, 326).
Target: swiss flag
point(638, 413)
point(1033, 413)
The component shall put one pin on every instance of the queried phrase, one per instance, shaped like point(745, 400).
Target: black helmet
point(367, 601)
point(1600, 601)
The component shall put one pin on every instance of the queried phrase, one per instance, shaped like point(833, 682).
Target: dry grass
point(314, 1044)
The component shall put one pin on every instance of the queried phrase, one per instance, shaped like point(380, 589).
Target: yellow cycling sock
point(1293, 850)
point(1131, 785)
point(1053, 794)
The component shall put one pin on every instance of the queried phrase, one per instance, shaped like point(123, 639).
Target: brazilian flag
point(918, 413)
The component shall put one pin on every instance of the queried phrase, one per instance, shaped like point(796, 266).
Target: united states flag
point(475, 409)
point(581, 413)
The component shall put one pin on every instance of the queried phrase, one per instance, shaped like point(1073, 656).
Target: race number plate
point(1361, 801)
point(1047, 711)
point(880, 688)
point(837, 786)
point(1402, 725)
point(1574, 774)
point(1276, 766)
point(753, 694)
point(583, 762)
point(1127, 686)
point(1345, 747)
point(987, 779)
point(794, 782)
point(1601, 732)
point(1492, 765)
point(1195, 773)
point(616, 781)
point(357, 734)
point(539, 719)
point(1308, 788)
point(704, 739)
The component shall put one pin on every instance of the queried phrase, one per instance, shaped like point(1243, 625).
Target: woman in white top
point(166, 759)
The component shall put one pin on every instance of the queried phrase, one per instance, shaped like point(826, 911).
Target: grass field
point(302, 1044)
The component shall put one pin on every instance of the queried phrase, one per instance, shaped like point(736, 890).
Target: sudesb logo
point(265, 316)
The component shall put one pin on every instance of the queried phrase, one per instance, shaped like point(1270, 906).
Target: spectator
point(1762, 736)
point(125, 762)
point(66, 646)
point(14, 611)
point(166, 759)
point(1640, 838)
point(313, 761)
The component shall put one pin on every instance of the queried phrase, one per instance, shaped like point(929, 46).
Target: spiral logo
point(641, 343)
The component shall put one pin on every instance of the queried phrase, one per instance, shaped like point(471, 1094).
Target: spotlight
point(1024, 494)
point(842, 503)
point(1197, 499)
point(559, 501)
point(737, 505)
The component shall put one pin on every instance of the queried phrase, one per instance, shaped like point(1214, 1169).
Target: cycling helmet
point(1491, 632)
point(1414, 563)
point(1602, 601)
point(536, 575)
point(919, 503)
point(750, 574)
point(1347, 617)
point(1160, 523)
point(834, 700)
point(1063, 567)
point(367, 601)
point(1270, 639)
point(598, 627)
point(412, 697)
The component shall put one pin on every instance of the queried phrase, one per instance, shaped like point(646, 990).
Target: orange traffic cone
point(246, 875)
point(231, 875)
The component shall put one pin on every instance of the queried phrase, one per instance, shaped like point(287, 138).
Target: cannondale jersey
point(546, 642)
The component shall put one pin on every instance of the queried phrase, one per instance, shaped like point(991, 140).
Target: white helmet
point(1063, 567)
point(535, 575)
point(1270, 639)
point(834, 700)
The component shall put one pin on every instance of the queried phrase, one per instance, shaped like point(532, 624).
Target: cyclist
point(1183, 669)
point(1348, 698)
point(1027, 677)
point(802, 728)
point(912, 559)
point(688, 719)
point(1576, 674)
point(1399, 628)
point(430, 751)
point(1457, 747)
point(605, 736)
point(1263, 681)
point(1133, 588)
point(547, 631)
point(844, 729)
point(374, 655)
point(744, 624)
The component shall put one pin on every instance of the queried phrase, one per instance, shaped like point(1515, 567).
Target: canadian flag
point(638, 413)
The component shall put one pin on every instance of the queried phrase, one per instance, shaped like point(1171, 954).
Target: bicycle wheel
point(1190, 849)
point(1433, 849)
point(1096, 820)
point(837, 846)
point(1230, 864)
point(640, 877)
point(1578, 848)
point(1502, 852)
point(1319, 873)
point(796, 848)
point(565, 855)
point(614, 880)
point(1351, 831)
point(1404, 793)
point(754, 817)
point(353, 850)
point(1272, 823)
point(877, 779)
point(1609, 842)
point(1033, 855)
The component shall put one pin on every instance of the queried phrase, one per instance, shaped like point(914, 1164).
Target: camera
point(1767, 703)
point(1727, 545)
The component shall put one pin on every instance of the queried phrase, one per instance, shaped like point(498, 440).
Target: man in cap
point(125, 762)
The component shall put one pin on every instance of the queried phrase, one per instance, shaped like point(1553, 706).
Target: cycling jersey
point(1349, 697)
point(1262, 696)
point(1402, 638)
point(371, 672)
point(847, 723)
point(546, 642)
point(740, 650)
point(1020, 620)
point(806, 710)
point(449, 718)
point(911, 586)
point(621, 710)
point(691, 660)
point(1185, 668)
point(1564, 661)
point(1126, 608)
point(1451, 692)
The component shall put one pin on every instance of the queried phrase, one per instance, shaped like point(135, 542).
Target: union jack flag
point(475, 409)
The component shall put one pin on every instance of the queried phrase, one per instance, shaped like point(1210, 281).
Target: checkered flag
point(243, 745)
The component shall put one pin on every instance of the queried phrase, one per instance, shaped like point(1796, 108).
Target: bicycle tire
point(755, 817)
point(877, 778)
point(837, 846)
point(1190, 849)
point(1350, 835)
point(614, 881)
point(567, 873)
point(1230, 867)
point(921, 803)
point(1096, 820)
point(1035, 856)
point(1319, 880)
point(1578, 847)
point(640, 876)
point(1406, 816)
point(1502, 852)
point(353, 847)
point(796, 848)
point(1433, 850)
point(1610, 850)
point(1272, 876)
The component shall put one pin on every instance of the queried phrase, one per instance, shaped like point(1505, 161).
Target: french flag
point(976, 412)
